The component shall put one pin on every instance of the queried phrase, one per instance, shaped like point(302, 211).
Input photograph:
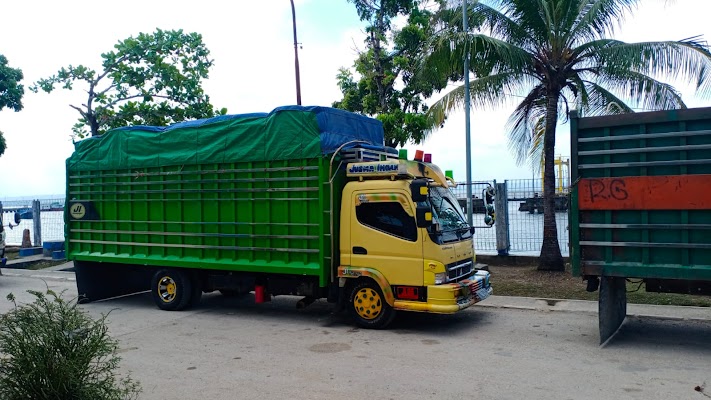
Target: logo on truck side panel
point(83, 210)
point(78, 211)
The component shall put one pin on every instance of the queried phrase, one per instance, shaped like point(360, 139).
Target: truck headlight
point(440, 278)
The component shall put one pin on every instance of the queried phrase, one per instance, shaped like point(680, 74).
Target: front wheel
point(368, 307)
point(172, 289)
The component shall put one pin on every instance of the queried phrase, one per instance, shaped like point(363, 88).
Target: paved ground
point(506, 348)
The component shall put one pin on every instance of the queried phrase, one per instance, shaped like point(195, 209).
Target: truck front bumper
point(449, 298)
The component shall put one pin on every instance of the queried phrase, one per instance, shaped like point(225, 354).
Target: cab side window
point(388, 217)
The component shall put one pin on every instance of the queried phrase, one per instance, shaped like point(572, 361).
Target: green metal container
point(641, 198)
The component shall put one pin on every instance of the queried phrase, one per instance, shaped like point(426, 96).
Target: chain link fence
point(19, 214)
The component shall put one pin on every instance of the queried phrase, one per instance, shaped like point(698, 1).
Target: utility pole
point(470, 218)
point(296, 56)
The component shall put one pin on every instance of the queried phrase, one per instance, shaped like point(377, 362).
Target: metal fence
point(524, 220)
point(524, 208)
point(44, 218)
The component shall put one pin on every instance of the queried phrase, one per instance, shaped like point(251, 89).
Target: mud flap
point(97, 281)
point(612, 306)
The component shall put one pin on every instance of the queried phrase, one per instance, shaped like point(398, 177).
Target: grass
point(45, 264)
point(526, 281)
point(11, 254)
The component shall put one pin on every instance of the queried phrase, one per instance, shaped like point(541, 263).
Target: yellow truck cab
point(405, 243)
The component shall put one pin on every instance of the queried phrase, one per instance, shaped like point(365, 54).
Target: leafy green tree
point(51, 349)
point(11, 92)
point(390, 86)
point(152, 79)
point(554, 54)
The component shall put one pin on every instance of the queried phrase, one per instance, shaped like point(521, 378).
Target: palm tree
point(554, 54)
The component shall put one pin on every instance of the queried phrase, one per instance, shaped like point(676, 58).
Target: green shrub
point(50, 349)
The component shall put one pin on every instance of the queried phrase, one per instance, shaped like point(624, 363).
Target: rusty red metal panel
point(671, 192)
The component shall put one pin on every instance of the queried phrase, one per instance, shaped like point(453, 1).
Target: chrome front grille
point(459, 271)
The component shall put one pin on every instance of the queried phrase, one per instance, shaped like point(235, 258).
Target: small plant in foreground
point(51, 349)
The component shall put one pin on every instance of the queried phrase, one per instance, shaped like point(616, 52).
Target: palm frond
point(485, 92)
point(535, 152)
point(445, 53)
point(590, 50)
point(688, 59)
point(531, 18)
point(598, 18)
point(485, 19)
point(519, 125)
point(644, 90)
point(578, 89)
point(499, 25)
point(601, 101)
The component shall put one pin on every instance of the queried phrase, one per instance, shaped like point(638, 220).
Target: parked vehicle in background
point(641, 205)
point(301, 201)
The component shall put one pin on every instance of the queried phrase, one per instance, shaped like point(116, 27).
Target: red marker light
point(419, 154)
point(428, 158)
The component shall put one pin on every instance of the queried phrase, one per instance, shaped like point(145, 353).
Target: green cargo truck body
point(243, 193)
point(641, 205)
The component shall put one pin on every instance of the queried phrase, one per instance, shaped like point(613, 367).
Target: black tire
point(368, 307)
point(172, 289)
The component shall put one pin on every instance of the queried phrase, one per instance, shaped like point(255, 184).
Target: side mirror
point(489, 195)
point(423, 215)
point(419, 190)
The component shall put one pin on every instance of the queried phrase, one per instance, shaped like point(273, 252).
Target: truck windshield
point(447, 213)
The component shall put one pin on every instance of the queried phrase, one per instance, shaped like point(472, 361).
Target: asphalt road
point(232, 348)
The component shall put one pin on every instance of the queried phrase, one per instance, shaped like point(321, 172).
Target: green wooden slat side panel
point(267, 216)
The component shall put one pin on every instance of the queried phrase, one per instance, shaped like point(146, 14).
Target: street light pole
point(296, 56)
point(470, 218)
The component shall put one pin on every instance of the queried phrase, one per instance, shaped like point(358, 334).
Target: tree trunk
point(90, 115)
point(375, 34)
point(551, 258)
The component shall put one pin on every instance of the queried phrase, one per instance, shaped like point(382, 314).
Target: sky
point(251, 43)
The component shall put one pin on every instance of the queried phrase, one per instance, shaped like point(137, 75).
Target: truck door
point(384, 236)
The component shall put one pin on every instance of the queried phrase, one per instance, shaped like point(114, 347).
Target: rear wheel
point(172, 289)
point(368, 307)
